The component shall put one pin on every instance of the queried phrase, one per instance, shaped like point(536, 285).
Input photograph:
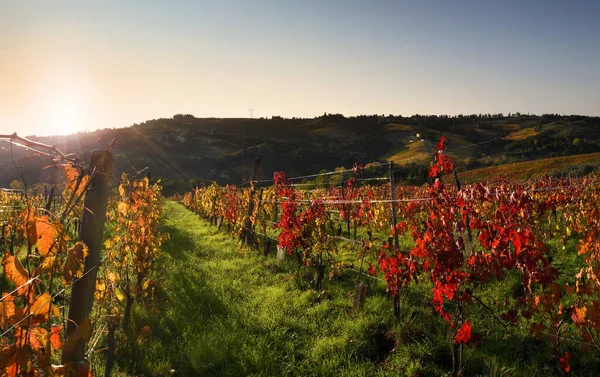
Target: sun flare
point(66, 114)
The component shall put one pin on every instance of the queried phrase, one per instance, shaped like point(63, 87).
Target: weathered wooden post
point(360, 294)
point(260, 198)
point(249, 236)
point(90, 233)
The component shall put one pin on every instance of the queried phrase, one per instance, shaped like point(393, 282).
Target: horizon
point(74, 67)
point(451, 116)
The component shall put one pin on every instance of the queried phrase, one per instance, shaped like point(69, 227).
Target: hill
point(557, 166)
point(185, 150)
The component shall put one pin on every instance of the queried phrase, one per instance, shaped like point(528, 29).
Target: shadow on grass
point(184, 303)
point(180, 244)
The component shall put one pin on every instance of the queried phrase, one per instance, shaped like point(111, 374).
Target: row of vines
point(44, 259)
point(457, 240)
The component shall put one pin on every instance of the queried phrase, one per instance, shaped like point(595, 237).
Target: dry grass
point(528, 169)
point(416, 151)
point(522, 134)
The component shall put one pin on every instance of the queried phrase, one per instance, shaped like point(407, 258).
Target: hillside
point(184, 150)
point(559, 166)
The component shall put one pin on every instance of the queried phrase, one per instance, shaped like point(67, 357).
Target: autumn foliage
point(465, 237)
point(42, 258)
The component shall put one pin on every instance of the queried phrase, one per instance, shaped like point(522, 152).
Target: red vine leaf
point(463, 335)
point(55, 337)
point(371, 270)
point(565, 362)
point(578, 315)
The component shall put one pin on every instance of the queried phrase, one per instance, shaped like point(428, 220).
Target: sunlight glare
point(66, 114)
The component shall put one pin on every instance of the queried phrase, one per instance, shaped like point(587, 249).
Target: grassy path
point(224, 311)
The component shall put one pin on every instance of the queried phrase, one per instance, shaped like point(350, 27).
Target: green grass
point(226, 311)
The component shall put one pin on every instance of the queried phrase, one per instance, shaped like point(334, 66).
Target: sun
point(66, 114)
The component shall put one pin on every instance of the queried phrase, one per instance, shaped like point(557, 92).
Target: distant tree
point(336, 179)
point(322, 180)
point(16, 185)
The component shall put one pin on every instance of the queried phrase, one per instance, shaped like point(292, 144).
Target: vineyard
point(521, 256)
point(69, 282)
point(493, 261)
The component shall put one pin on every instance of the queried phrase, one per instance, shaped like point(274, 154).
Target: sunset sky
point(79, 65)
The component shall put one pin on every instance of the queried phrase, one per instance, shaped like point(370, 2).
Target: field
point(293, 188)
point(224, 311)
point(501, 263)
point(341, 272)
point(524, 170)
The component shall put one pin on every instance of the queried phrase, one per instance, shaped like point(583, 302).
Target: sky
point(70, 66)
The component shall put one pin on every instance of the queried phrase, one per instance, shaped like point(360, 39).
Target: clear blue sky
point(76, 65)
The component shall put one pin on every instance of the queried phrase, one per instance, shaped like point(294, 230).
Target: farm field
point(344, 276)
point(226, 311)
point(299, 188)
point(535, 168)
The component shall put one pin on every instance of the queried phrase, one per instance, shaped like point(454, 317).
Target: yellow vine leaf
point(120, 296)
point(123, 208)
point(44, 234)
point(48, 265)
point(74, 262)
point(15, 272)
point(71, 176)
point(42, 305)
point(7, 311)
point(123, 185)
point(100, 290)
point(113, 277)
point(82, 331)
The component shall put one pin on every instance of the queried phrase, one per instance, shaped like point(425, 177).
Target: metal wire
point(51, 299)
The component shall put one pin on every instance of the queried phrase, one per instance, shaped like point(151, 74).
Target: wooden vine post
point(467, 220)
point(345, 206)
point(393, 198)
point(394, 220)
point(249, 236)
point(49, 199)
point(260, 198)
point(90, 233)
